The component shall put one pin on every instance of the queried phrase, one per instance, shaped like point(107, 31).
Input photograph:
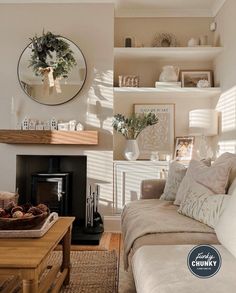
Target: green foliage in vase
point(132, 126)
point(51, 50)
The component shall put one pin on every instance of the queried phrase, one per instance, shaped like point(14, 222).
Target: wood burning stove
point(61, 183)
point(52, 189)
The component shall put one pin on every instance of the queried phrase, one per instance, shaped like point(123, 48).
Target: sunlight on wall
point(128, 187)
point(99, 171)
point(227, 106)
point(227, 146)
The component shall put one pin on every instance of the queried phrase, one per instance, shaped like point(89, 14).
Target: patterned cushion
point(176, 174)
point(181, 192)
point(214, 178)
point(201, 204)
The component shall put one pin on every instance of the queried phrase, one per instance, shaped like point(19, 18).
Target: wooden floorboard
point(109, 241)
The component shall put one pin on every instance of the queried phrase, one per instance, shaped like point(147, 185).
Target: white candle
point(12, 105)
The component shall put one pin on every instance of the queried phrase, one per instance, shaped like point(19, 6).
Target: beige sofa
point(157, 240)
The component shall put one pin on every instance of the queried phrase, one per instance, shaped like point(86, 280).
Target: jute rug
point(91, 271)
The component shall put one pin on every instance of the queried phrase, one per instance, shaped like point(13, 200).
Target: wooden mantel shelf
point(49, 137)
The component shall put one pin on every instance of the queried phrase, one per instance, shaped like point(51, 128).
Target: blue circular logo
point(204, 261)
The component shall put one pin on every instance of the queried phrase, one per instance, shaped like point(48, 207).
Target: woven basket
point(22, 223)
point(7, 197)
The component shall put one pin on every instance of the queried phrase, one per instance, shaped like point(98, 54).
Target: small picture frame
point(184, 148)
point(197, 78)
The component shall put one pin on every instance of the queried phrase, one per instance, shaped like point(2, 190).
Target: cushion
point(176, 174)
point(232, 187)
point(232, 175)
point(181, 192)
point(201, 204)
point(232, 157)
point(214, 177)
point(225, 228)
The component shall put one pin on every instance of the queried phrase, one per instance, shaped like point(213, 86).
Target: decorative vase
point(131, 151)
point(193, 42)
point(169, 74)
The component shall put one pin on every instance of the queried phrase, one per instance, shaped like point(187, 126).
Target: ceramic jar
point(169, 74)
point(193, 42)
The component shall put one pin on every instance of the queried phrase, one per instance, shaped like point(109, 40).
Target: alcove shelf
point(172, 53)
point(49, 137)
point(212, 90)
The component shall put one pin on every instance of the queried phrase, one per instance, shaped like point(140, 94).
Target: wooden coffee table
point(27, 258)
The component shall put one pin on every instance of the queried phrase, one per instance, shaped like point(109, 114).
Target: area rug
point(91, 271)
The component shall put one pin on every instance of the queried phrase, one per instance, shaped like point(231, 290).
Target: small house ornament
point(46, 125)
point(18, 126)
point(63, 126)
point(79, 127)
point(72, 125)
point(25, 123)
point(39, 125)
point(53, 124)
point(32, 124)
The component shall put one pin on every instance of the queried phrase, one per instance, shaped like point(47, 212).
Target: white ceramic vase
point(131, 151)
point(193, 42)
point(169, 74)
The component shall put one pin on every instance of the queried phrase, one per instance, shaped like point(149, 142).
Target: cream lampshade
point(203, 122)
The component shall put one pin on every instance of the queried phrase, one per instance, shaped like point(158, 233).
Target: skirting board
point(112, 223)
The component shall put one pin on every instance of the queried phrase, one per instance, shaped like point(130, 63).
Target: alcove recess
point(146, 62)
point(49, 137)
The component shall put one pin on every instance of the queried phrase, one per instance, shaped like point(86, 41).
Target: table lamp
point(204, 123)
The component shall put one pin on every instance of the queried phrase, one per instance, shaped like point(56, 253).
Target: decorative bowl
point(22, 223)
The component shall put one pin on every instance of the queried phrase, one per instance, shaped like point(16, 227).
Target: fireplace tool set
point(94, 222)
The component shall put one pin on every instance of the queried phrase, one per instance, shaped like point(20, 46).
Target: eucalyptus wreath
point(52, 51)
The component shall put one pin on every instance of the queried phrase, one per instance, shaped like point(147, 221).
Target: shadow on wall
point(99, 113)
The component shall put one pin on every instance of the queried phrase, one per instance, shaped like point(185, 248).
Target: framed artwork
point(196, 78)
point(184, 148)
point(158, 137)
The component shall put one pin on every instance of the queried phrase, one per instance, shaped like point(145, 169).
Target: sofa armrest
point(152, 188)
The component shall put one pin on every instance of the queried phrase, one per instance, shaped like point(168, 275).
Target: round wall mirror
point(56, 80)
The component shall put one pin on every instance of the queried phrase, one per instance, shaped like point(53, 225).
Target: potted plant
point(130, 128)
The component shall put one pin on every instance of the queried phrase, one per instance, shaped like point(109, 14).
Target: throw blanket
point(148, 216)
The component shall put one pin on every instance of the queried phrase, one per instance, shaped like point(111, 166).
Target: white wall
point(90, 26)
point(225, 64)
point(144, 31)
point(225, 73)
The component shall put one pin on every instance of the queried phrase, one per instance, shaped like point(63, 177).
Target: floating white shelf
point(167, 89)
point(172, 53)
point(213, 90)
